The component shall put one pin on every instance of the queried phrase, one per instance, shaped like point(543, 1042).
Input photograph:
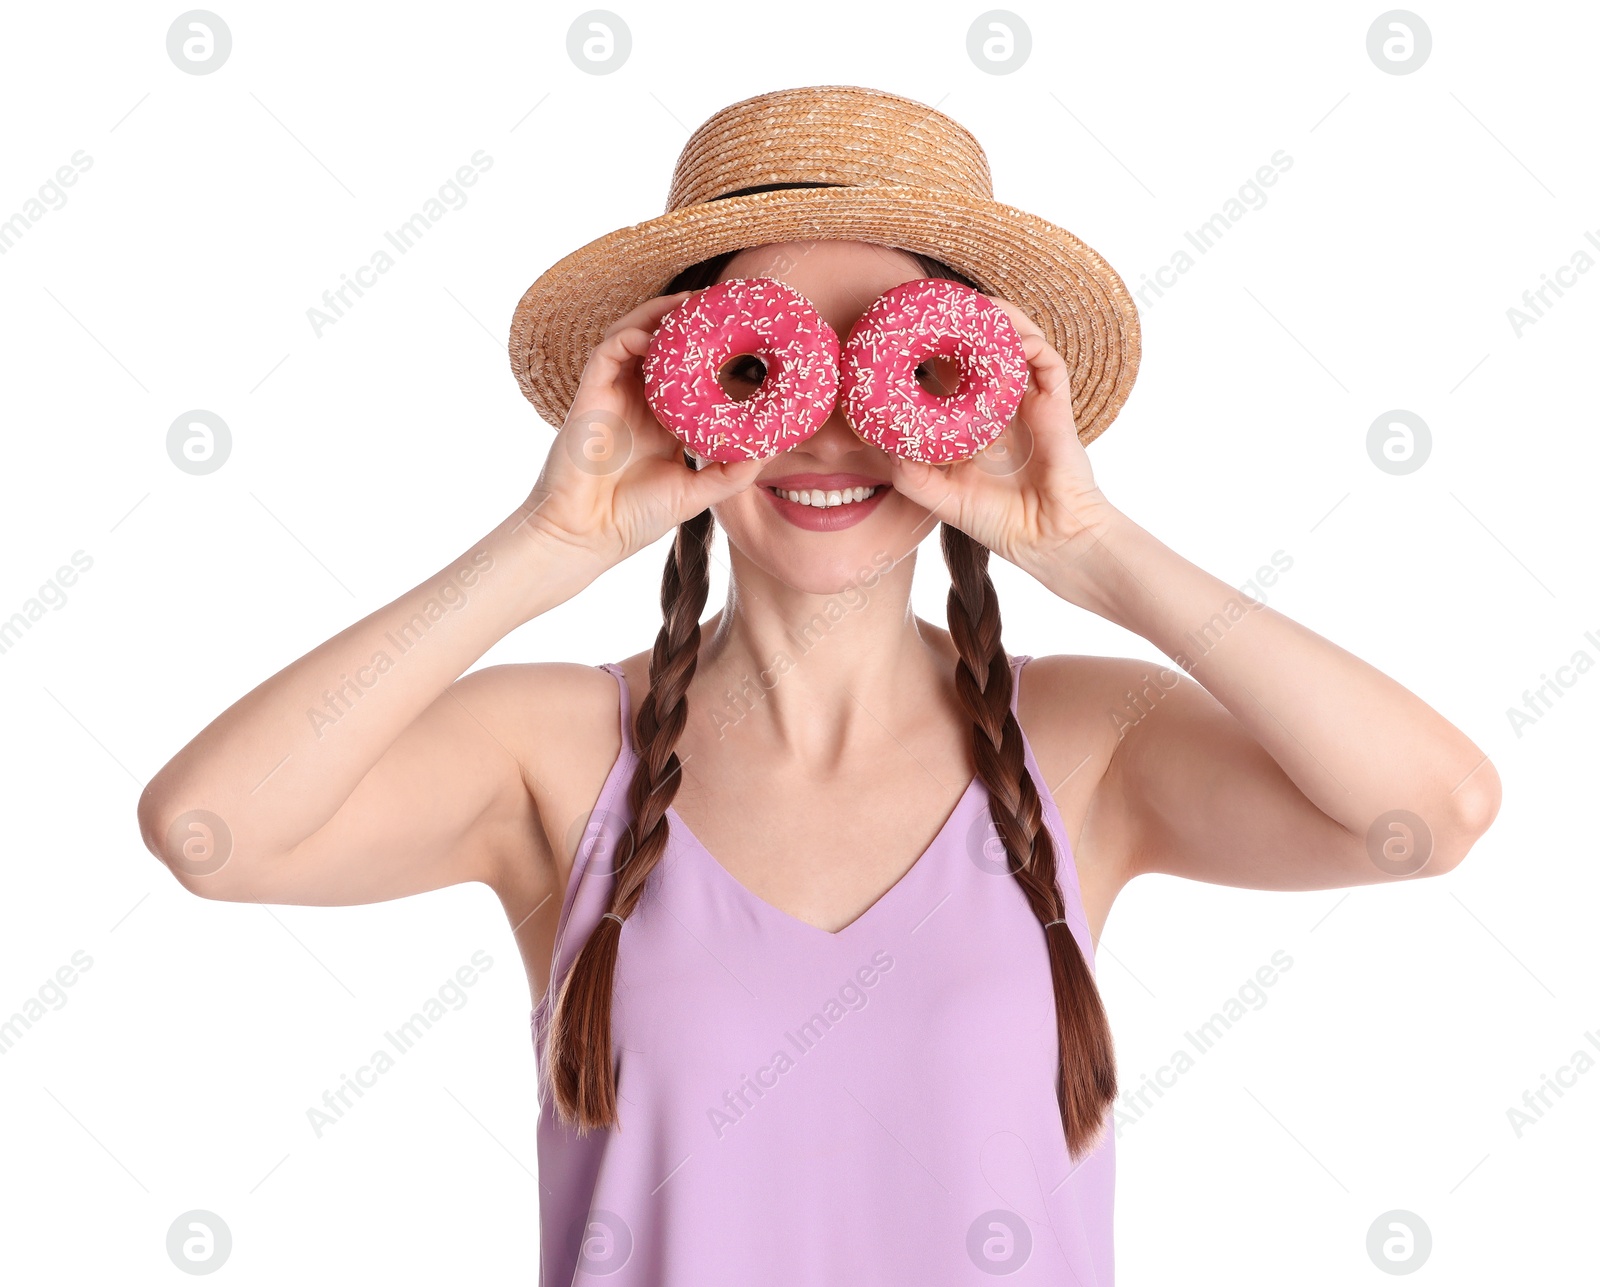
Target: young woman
point(808, 894)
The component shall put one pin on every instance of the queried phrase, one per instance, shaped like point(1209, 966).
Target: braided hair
point(582, 1071)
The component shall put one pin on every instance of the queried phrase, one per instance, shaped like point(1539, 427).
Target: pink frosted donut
point(904, 327)
point(757, 315)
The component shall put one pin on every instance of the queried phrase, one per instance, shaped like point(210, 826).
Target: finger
point(1045, 364)
point(1024, 324)
point(927, 485)
point(1042, 443)
point(649, 313)
point(620, 349)
point(1048, 373)
point(613, 368)
point(607, 400)
point(717, 481)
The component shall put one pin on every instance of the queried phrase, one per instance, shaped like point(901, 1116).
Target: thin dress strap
point(1066, 860)
point(624, 714)
point(601, 833)
point(1017, 662)
point(742, 1035)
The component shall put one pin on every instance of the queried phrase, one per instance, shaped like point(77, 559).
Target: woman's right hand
point(616, 480)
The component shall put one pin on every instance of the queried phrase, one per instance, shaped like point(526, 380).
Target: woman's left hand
point(1030, 495)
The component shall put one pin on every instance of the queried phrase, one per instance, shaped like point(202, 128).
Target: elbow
point(1470, 810)
point(151, 812)
point(1480, 799)
point(193, 844)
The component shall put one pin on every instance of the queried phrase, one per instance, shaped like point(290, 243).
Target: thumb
point(925, 484)
point(714, 482)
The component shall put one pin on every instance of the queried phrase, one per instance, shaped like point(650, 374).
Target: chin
point(823, 562)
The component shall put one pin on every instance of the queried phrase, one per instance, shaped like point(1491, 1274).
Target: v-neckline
point(771, 909)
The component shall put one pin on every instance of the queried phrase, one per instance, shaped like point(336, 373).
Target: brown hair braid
point(1088, 1074)
point(583, 1075)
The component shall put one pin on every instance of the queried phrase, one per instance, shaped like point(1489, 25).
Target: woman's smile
point(825, 502)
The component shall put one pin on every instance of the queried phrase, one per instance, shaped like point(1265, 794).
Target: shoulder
point(1077, 701)
point(1074, 710)
point(544, 695)
point(559, 720)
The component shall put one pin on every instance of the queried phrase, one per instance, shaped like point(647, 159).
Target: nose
point(835, 441)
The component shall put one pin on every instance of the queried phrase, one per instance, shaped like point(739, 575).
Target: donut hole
point(741, 376)
point(939, 374)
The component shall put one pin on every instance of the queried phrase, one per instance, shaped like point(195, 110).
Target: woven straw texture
point(909, 176)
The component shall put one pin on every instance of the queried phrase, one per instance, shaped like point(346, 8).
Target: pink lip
point(834, 519)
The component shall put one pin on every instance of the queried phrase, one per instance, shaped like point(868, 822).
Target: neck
point(816, 667)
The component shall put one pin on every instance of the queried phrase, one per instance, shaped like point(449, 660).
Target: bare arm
point(369, 768)
point(1290, 764)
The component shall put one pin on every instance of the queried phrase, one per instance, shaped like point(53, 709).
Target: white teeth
point(826, 500)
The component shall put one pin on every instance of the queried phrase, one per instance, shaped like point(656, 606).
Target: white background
point(217, 210)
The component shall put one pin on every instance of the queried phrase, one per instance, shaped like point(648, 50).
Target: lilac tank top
point(801, 1108)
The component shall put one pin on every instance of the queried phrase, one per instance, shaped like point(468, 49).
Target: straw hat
point(902, 174)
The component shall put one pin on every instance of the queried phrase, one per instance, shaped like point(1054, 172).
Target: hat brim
point(1074, 296)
